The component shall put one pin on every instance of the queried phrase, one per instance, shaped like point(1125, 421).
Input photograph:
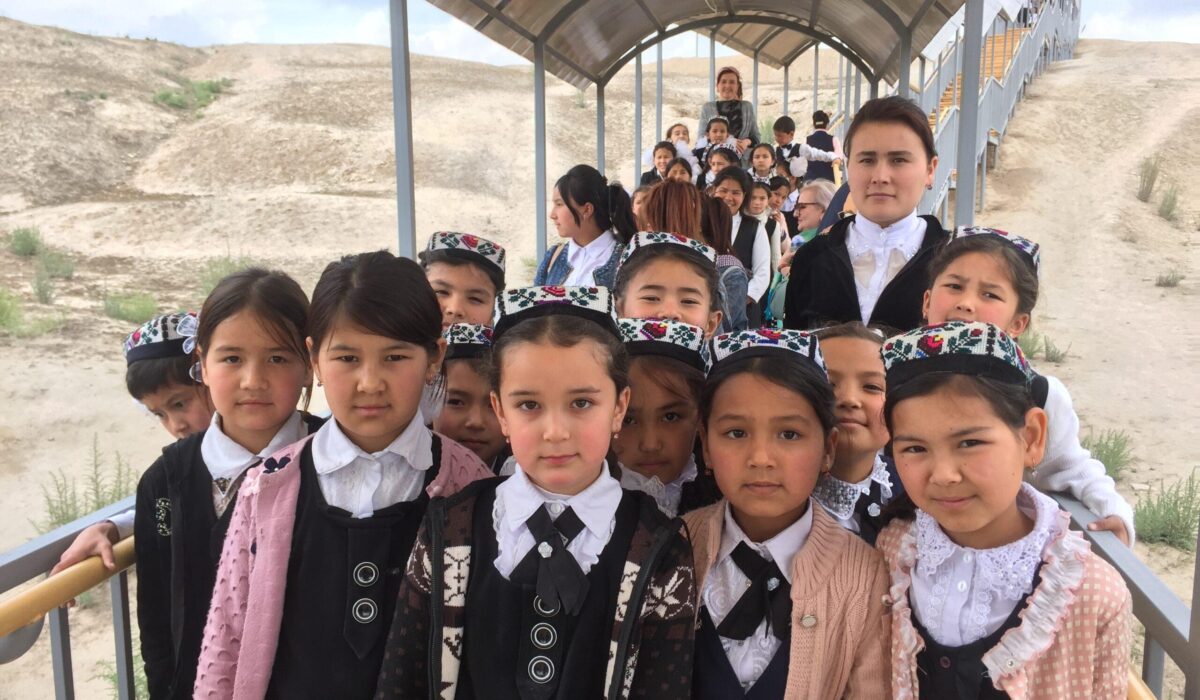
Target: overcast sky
point(205, 22)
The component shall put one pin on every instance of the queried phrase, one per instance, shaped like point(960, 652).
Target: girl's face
point(560, 424)
point(727, 87)
point(660, 426)
point(638, 198)
point(778, 196)
point(717, 132)
point(373, 383)
point(465, 293)
point(679, 132)
point(717, 162)
point(253, 381)
point(762, 160)
point(564, 221)
point(672, 290)
point(962, 465)
point(182, 409)
point(888, 171)
point(468, 418)
point(679, 173)
point(766, 448)
point(808, 211)
point(731, 193)
point(856, 372)
point(758, 201)
point(661, 157)
point(976, 287)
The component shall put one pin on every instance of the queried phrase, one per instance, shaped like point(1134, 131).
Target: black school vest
point(958, 672)
point(509, 638)
point(743, 247)
point(822, 141)
point(713, 677)
point(343, 579)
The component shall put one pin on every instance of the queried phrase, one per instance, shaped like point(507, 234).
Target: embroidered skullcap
point(768, 342)
point(978, 349)
point(160, 337)
point(679, 341)
point(650, 239)
point(1030, 251)
point(464, 246)
point(524, 303)
point(467, 341)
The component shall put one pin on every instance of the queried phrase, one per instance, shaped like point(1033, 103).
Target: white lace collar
point(906, 235)
point(1008, 570)
point(841, 497)
point(667, 496)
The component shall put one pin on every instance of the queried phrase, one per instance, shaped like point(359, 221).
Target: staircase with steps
point(994, 63)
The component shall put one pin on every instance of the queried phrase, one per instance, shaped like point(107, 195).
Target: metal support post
point(755, 88)
point(903, 89)
point(968, 125)
point(658, 93)
point(122, 634)
point(406, 215)
point(637, 118)
point(786, 71)
point(539, 144)
point(600, 128)
point(712, 66)
point(816, 75)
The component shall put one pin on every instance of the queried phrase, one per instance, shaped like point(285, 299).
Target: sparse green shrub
point(25, 242)
point(1031, 343)
point(192, 95)
point(10, 311)
point(1170, 201)
point(43, 286)
point(134, 308)
point(216, 269)
point(1053, 353)
point(1113, 448)
point(63, 500)
point(56, 264)
point(1148, 177)
point(1171, 279)
point(1170, 516)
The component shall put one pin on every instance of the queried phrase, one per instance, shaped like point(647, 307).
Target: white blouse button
point(967, 558)
point(962, 586)
point(555, 508)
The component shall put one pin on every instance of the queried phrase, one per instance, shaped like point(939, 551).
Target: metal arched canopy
point(584, 40)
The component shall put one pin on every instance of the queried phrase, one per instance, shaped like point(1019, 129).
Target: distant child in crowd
point(791, 604)
point(663, 153)
point(466, 273)
point(682, 170)
point(749, 235)
point(639, 196)
point(820, 140)
point(762, 163)
point(992, 593)
point(658, 440)
point(312, 564)
point(467, 417)
point(248, 348)
point(596, 219)
point(716, 135)
point(669, 276)
point(799, 157)
point(758, 206)
point(990, 275)
point(718, 160)
point(552, 582)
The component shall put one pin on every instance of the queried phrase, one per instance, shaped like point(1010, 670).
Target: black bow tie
point(768, 597)
point(559, 576)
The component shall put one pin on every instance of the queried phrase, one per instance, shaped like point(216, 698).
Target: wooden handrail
point(29, 605)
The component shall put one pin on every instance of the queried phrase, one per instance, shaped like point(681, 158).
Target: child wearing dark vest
point(552, 582)
point(748, 235)
point(791, 604)
point(317, 545)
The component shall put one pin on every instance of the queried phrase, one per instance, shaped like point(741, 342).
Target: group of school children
point(591, 489)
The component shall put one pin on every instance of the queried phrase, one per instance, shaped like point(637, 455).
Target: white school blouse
point(760, 257)
point(877, 255)
point(226, 460)
point(360, 482)
point(667, 495)
point(584, 259)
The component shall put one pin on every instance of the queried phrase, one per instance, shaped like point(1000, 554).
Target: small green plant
point(1113, 448)
point(1148, 177)
point(192, 95)
point(1169, 202)
point(1170, 516)
point(1031, 343)
point(103, 485)
point(43, 287)
point(107, 672)
point(216, 269)
point(41, 326)
point(1171, 279)
point(134, 308)
point(25, 242)
point(10, 312)
point(581, 99)
point(56, 264)
point(103, 95)
point(1053, 353)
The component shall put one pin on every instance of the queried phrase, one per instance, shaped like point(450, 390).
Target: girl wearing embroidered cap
point(791, 602)
point(993, 595)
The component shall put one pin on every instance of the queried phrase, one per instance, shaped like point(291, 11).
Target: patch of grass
point(1031, 343)
point(1148, 177)
point(1169, 203)
point(25, 242)
point(192, 94)
point(1053, 353)
point(43, 287)
point(10, 312)
point(65, 501)
point(107, 672)
point(56, 264)
point(41, 326)
point(1171, 279)
point(103, 95)
point(581, 99)
point(1113, 448)
point(216, 269)
point(134, 308)
point(1170, 516)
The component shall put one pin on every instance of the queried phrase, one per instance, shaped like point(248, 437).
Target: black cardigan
point(651, 177)
point(821, 288)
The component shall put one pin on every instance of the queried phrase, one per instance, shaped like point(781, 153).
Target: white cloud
point(1143, 26)
point(454, 39)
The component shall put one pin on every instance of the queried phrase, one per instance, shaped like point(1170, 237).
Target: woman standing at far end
point(743, 123)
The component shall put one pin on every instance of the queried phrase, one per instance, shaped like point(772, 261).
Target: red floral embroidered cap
point(467, 340)
point(978, 349)
point(782, 344)
point(524, 303)
point(648, 239)
point(679, 341)
point(1029, 250)
point(465, 246)
point(160, 337)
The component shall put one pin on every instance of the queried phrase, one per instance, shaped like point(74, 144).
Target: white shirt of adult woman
point(729, 104)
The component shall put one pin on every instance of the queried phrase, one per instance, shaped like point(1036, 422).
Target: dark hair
point(779, 181)
point(725, 153)
point(721, 119)
point(852, 329)
point(494, 274)
point(380, 294)
point(716, 223)
point(894, 110)
point(481, 365)
point(672, 376)
point(644, 189)
point(798, 376)
point(564, 331)
point(583, 184)
point(663, 146)
point(148, 376)
point(770, 149)
point(1024, 279)
point(650, 254)
point(820, 119)
point(738, 175)
point(758, 184)
point(667, 133)
point(785, 125)
point(680, 161)
point(272, 296)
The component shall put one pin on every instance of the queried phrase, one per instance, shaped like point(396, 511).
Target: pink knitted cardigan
point(840, 625)
point(236, 657)
point(1074, 636)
